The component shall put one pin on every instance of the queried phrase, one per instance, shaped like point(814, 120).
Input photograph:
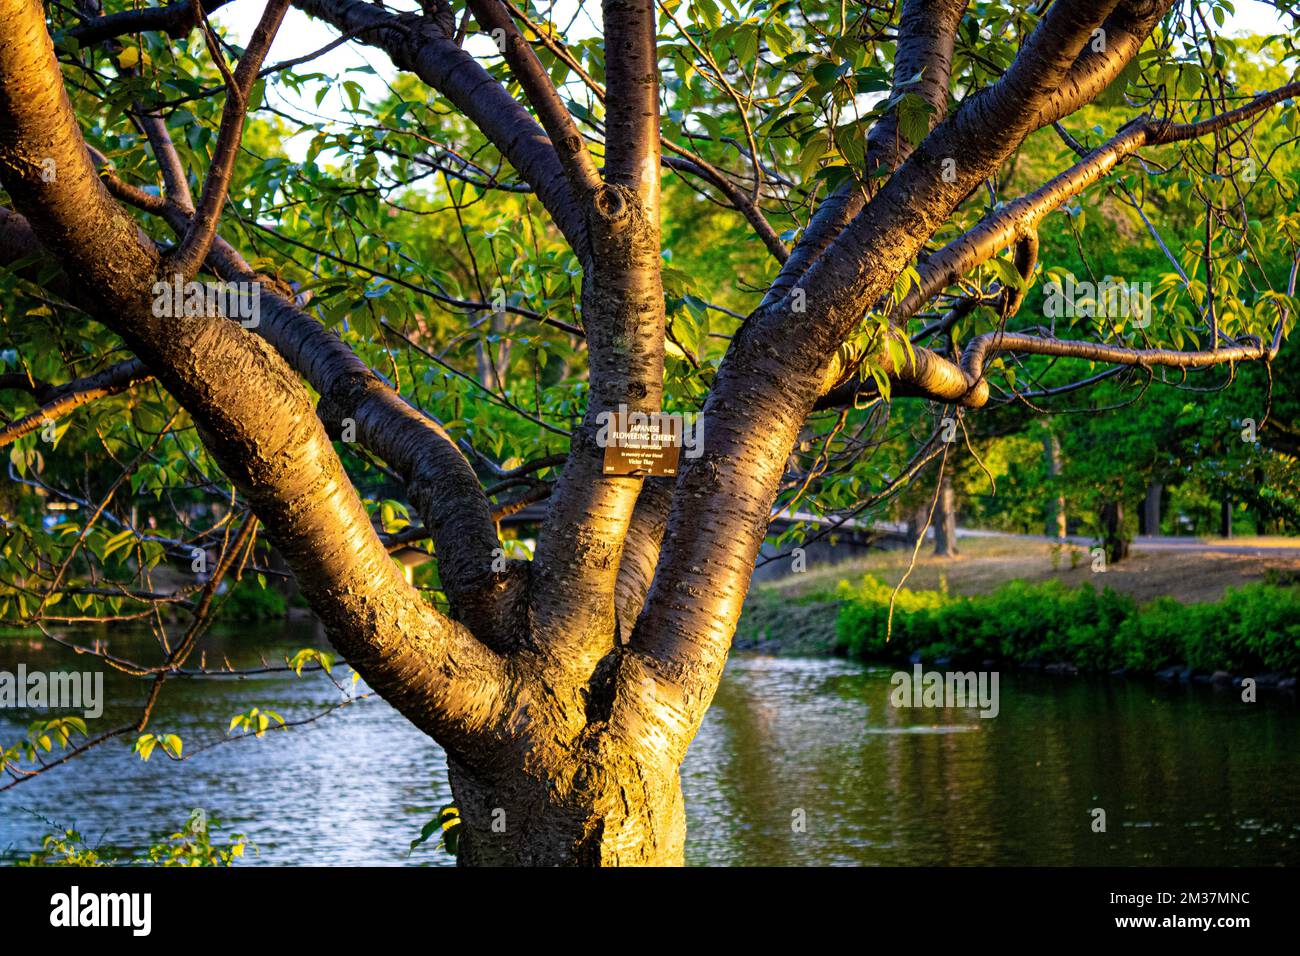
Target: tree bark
point(945, 521)
point(1114, 539)
point(615, 811)
point(1056, 515)
point(1151, 509)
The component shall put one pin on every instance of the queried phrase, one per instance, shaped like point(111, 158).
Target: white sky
point(300, 35)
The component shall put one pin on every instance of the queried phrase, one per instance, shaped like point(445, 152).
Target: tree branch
point(636, 566)
point(495, 20)
point(65, 399)
point(189, 254)
point(1020, 218)
point(632, 100)
point(926, 30)
point(1101, 63)
point(175, 19)
point(690, 162)
point(934, 377)
point(439, 481)
point(623, 312)
point(778, 364)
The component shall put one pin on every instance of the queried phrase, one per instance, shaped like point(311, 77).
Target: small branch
point(67, 398)
point(691, 163)
point(1019, 219)
point(193, 248)
point(937, 378)
point(176, 20)
point(580, 168)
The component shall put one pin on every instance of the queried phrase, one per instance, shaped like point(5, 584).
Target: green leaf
point(708, 12)
point(913, 117)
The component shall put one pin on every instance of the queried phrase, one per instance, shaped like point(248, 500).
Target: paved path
point(1160, 543)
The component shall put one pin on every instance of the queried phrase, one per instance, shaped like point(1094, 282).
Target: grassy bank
point(989, 562)
point(1198, 610)
point(1254, 629)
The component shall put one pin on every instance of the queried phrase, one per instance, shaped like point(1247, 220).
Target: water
point(799, 762)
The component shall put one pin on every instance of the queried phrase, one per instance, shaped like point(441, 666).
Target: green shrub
point(1253, 629)
point(251, 602)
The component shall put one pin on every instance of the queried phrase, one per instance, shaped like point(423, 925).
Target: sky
point(300, 35)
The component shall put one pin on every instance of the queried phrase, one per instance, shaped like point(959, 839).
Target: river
point(799, 762)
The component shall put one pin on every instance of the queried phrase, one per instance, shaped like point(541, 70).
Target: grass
point(796, 615)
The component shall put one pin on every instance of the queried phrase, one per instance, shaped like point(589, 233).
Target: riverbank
point(798, 615)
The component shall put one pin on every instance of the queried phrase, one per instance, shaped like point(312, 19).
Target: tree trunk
point(1150, 513)
point(611, 813)
point(1055, 506)
point(945, 521)
point(916, 522)
point(1225, 517)
point(1112, 526)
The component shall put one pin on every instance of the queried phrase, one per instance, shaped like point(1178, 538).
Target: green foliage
point(191, 846)
point(251, 601)
point(447, 823)
point(312, 655)
point(1254, 629)
point(146, 743)
point(42, 737)
point(256, 722)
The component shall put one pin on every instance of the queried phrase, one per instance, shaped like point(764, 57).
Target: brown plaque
point(648, 444)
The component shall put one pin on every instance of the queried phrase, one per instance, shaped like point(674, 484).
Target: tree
point(567, 687)
point(945, 528)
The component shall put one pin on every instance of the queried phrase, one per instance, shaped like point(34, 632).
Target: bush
point(1253, 629)
point(252, 602)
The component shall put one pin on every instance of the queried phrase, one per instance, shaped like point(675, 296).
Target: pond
point(799, 762)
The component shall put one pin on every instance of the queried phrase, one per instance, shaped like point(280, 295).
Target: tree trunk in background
point(1150, 514)
point(916, 520)
point(1112, 530)
point(1225, 517)
point(492, 358)
point(945, 521)
point(1055, 527)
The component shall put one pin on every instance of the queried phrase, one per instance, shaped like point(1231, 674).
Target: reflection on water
point(798, 762)
point(1186, 775)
